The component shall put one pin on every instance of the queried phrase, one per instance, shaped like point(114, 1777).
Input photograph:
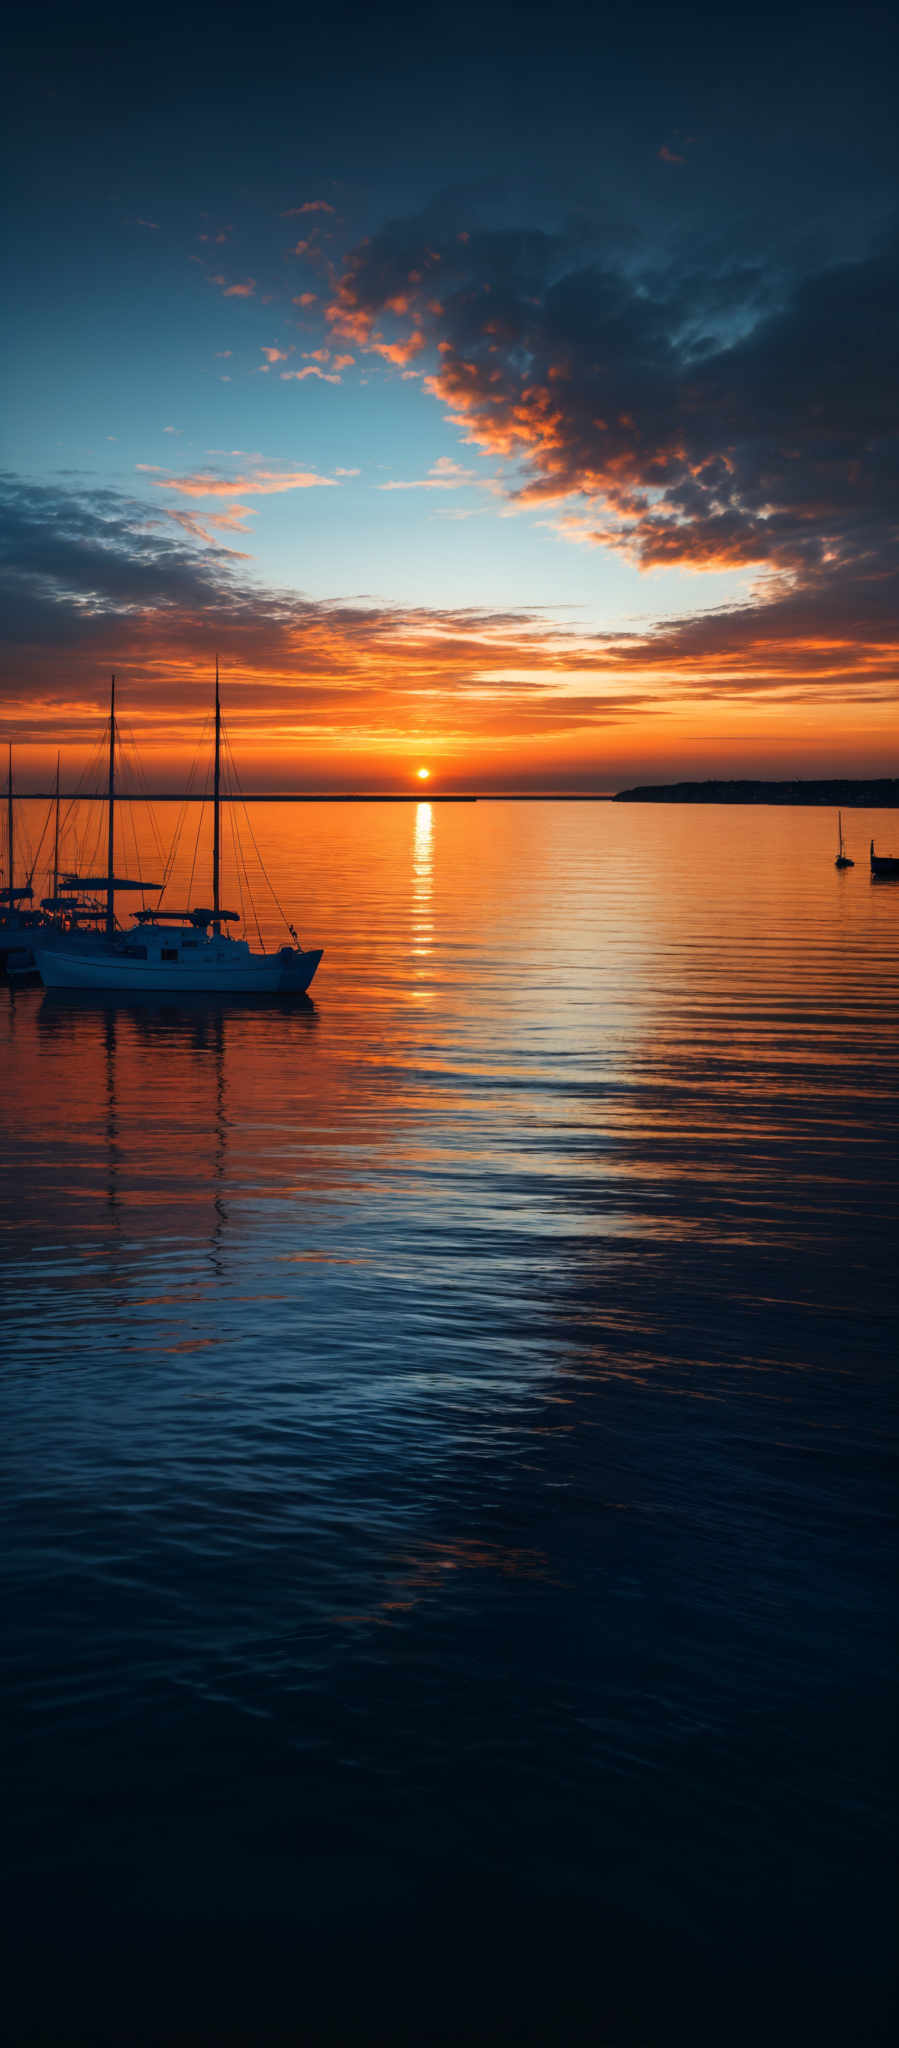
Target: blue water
point(448, 1452)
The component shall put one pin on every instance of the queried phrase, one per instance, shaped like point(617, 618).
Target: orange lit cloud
point(399, 352)
point(235, 291)
point(93, 579)
point(259, 483)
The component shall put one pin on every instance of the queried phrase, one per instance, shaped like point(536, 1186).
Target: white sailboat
point(170, 951)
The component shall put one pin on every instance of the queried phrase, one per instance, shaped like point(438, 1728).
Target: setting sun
point(422, 774)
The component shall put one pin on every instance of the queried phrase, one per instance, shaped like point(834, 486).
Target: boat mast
point(110, 837)
point(8, 892)
point(56, 836)
point(840, 829)
point(216, 811)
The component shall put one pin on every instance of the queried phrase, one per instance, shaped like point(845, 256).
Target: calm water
point(446, 1441)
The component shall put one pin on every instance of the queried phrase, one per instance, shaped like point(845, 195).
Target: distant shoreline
point(871, 794)
point(880, 794)
point(326, 796)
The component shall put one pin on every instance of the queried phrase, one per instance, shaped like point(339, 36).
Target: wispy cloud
point(89, 577)
point(243, 290)
point(444, 475)
point(311, 370)
point(308, 206)
point(258, 483)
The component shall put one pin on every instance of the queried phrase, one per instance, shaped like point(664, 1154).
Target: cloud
point(89, 575)
point(306, 299)
point(258, 483)
point(344, 362)
point(296, 376)
point(668, 156)
point(308, 206)
point(399, 352)
point(706, 417)
point(275, 355)
point(235, 291)
point(193, 523)
point(222, 354)
point(444, 475)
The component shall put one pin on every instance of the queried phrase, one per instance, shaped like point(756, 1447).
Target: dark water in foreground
point(446, 1445)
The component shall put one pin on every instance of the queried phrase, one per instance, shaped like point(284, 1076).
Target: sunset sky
point(506, 391)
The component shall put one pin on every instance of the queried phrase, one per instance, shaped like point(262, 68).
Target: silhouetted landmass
point(879, 793)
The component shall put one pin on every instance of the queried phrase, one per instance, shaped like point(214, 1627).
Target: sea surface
point(447, 1434)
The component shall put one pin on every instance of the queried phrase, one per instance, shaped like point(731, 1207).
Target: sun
point(423, 774)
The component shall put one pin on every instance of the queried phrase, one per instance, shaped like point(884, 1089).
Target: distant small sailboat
point(884, 864)
point(842, 859)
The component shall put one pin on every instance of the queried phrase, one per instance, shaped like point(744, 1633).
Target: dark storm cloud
point(717, 416)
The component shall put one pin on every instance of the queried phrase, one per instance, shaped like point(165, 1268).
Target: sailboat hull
point(287, 972)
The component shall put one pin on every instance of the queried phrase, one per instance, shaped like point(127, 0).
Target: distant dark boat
point(884, 863)
point(842, 859)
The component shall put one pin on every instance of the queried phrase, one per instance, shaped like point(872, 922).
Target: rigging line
point(232, 772)
point(178, 829)
point(244, 883)
point(131, 825)
point(142, 791)
point(40, 843)
point(265, 875)
point(91, 767)
point(236, 850)
point(249, 890)
point(193, 865)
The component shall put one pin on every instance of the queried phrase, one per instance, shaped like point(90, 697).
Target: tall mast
point(56, 837)
point(9, 839)
point(110, 837)
point(216, 810)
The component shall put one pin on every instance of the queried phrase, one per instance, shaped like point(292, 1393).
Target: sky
point(511, 392)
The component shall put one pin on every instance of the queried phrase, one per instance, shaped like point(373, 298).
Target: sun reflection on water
point(423, 886)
